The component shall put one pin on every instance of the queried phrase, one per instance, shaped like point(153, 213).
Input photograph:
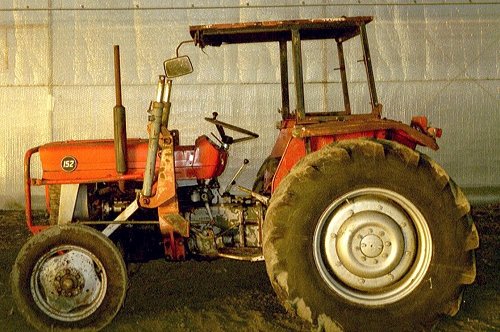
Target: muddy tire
point(69, 277)
point(369, 235)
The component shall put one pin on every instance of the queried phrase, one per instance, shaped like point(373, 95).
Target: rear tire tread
point(343, 152)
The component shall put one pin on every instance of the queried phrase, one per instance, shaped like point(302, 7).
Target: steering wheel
point(228, 139)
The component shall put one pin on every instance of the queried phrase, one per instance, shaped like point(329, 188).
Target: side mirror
point(179, 66)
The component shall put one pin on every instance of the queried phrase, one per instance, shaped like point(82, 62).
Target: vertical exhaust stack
point(120, 125)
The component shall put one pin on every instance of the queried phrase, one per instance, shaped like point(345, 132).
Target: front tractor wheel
point(369, 235)
point(69, 277)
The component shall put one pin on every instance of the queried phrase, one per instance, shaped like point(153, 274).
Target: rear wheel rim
point(372, 246)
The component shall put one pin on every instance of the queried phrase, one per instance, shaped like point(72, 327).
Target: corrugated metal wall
point(436, 58)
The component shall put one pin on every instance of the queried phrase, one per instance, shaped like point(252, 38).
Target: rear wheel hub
point(372, 246)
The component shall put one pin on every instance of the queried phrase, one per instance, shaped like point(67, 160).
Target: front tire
point(369, 235)
point(69, 277)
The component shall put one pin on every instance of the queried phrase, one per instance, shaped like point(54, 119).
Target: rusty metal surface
point(164, 186)
point(341, 28)
point(285, 98)
point(343, 78)
point(172, 225)
point(367, 59)
point(355, 125)
point(298, 74)
point(230, 226)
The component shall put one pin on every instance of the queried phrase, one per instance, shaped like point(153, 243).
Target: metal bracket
point(67, 202)
point(121, 218)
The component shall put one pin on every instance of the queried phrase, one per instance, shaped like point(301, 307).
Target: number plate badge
point(69, 163)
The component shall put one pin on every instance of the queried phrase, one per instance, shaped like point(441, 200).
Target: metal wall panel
point(436, 58)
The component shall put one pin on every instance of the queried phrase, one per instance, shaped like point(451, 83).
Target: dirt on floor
point(225, 295)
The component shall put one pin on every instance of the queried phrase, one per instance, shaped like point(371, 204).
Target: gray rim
point(372, 246)
point(68, 283)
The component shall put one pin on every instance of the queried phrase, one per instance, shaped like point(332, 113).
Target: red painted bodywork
point(96, 163)
point(291, 148)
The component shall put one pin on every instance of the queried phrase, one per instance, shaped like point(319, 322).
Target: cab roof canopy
point(341, 29)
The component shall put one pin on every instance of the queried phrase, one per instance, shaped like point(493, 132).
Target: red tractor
point(356, 227)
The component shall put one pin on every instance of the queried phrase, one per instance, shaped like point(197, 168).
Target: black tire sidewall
point(83, 237)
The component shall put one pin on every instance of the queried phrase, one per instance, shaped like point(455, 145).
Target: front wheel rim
point(68, 283)
point(372, 246)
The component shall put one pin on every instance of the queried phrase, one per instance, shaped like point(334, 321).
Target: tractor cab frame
point(297, 31)
point(303, 131)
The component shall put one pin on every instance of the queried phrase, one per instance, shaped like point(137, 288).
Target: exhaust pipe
point(120, 125)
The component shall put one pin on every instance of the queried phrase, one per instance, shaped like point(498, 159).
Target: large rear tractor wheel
point(69, 277)
point(369, 235)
